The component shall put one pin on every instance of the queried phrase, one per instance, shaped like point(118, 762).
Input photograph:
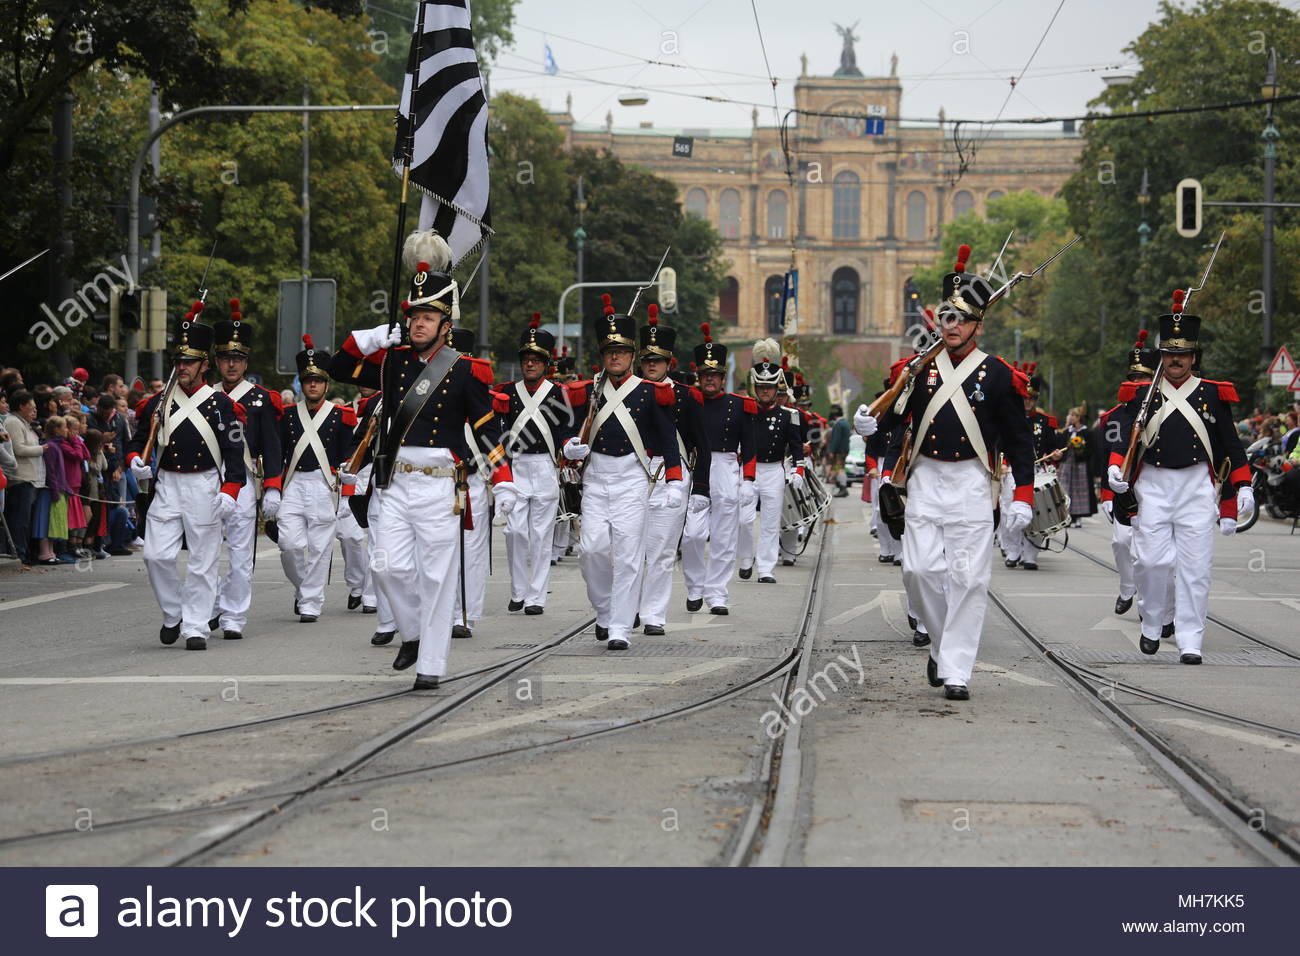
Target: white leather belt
point(432, 471)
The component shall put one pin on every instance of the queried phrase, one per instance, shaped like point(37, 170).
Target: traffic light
point(668, 289)
point(1187, 208)
point(129, 310)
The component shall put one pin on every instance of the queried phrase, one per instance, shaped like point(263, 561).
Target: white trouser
point(746, 533)
point(476, 553)
point(306, 521)
point(889, 545)
point(1121, 545)
point(663, 532)
point(947, 554)
point(385, 621)
point(615, 502)
point(356, 558)
point(769, 482)
point(559, 539)
point(235, 590)
point(184, 504)
point(415, 566)
point(1016, 545)
point(530, 527)
point(1173, 550)
point(709, 540)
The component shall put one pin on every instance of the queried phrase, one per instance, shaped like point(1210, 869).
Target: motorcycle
point(1276, 484)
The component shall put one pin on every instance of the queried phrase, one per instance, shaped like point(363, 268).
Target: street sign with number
point(683, 146)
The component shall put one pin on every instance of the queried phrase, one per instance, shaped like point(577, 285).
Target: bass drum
point(1051, 509)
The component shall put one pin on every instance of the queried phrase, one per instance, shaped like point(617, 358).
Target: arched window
point(729, 214)
point(916, 216)
point(962, 203)
point(844, 301)
point(772, 290)
point(729, 302)
point(996, 194)
point(697, 203)
point(777, 204)
point(846, 206)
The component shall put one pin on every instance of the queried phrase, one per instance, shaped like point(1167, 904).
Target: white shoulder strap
point(951, 392)
point(614, 398)
point(1175, 400)
point(189, 408)
point(311, 439)
point(532, 412)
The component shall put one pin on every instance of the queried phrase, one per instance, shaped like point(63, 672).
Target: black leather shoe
point(425, 683)
point(695, 605)
point(1012, 562)
point(911, 622)
point(898, 562)
point(720, 609)
point(295, 605)
point(956, 692)
point(616, 644)
point(745, 573)
point(196, 644)
point(367, 609)
point(515, 606)
point(1026, 566)
point(534, 609)
point(307, 618)
point(168, 635)
point(354, 602)
point(381, 638)
point(636, 622)
point(932, 672)
point(920, 640)
point(654, 630)
point(602, 633)
point(461, 631)
point(886, 559)
point(1189, 658)
point(787, 562)
point(1122, 605)
point(1167, 631)
point(232, 635)
point(1148, 646)
point(767, 579)
point(406, 655)
point(214, 623)
point(554, 561)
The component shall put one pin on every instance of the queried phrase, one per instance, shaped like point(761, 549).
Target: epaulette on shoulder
point(696, 394)
point(751, 405)
point(1051, 420)
point(141, 408)
point(575, 393)
point(794, 414)
point(365, 402)
point(665, 394)
point(276, 400)
point(481, 369)
point(1105, 416)
point(1227, 391)
point(240, 411)
point(1128, 391)
point(1019, 380)
point(897, 367)
point(349, 415)
point(500, 403)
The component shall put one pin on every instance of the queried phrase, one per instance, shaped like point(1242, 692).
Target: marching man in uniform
point(728, 436)
point(628, 419)
point(352, 537)
point(262, 408)
point(315, 434)
point(476, 541)
point(200, 471)
point(1187, 438)
point(664, 525)
point(1047, 445)
point(415, 512)
point(963, 408)
point(778, 441)
point(537, 417)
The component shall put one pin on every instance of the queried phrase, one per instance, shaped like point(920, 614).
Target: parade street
point(300, 745)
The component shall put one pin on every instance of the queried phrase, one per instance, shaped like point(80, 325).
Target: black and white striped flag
point(449, 159)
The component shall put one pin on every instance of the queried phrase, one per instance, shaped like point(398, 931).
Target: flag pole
point(383, 451)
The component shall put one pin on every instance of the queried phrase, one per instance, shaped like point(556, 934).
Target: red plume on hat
point(1142, 339)
point(1179, 296)
point(652, 311)
point(692, 366)
point(963, 253)
point(535, 321)
point(422, 267)
point(608, 302)
point(306, 340)
point(564, 350)
point(235, 314)
point(708, 335)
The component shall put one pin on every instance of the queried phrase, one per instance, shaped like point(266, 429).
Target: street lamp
point(1269, 90)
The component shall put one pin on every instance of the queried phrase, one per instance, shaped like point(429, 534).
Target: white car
point(855, 462)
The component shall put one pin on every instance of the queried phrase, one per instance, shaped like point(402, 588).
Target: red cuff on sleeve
point(231, 488)
point(1024, 493)
point(1105, 494)
point(1117, 459)
point(887, 473)
point(131, 456)
point(747, 470)
point(350, 346)
point(276, 483)
point(673, 474)
point(502, 473)
point(798, 470)
point(346, 490)
point(1240, 476)
point(1228, 507)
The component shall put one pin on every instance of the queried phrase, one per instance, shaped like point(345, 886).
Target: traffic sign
point(1282, 370)
point(1295, 383)
point(317, 320)
point(1187, 208)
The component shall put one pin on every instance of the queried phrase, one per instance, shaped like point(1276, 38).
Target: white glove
point(672, 497)
point(1108, 506)
point(140, 468)
point(1018, 517)
point(345, 477)
point(575, 450)
point(270, 503)
point(506, 495)
point(1245, 502)
point(887, 479)
point(225, 506)
point(1115, 478)
point(797, 482)
point(747, 493)
point(697, 504)
point(370, 341)
point(1227, 526)
point(864, 423)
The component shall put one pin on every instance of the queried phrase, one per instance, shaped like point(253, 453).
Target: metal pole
point(62, 286)
point(1270, 138)
point(483, 298)
point(155, 247)
point(306, 206)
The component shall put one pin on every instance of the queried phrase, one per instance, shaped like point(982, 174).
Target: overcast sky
point(609, 41)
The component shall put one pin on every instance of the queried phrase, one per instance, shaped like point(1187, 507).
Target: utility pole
point(61, 287)
point(306, 206)
point(155, 248)
point(1270, 137)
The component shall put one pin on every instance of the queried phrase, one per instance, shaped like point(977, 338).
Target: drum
point(1051, 506)
point(802, 509)
point(570, 494)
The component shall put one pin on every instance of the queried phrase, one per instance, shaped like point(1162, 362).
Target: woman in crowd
point(1076, 467)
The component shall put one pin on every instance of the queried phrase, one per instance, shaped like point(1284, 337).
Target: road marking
point(1012, 675)
point(59, 595)
point(570, 708)
point(195, 679)
point(1272, 743)
point(1132, 630)
point(883, 600)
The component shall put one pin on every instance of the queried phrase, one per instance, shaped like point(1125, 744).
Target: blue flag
point(548, 61)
